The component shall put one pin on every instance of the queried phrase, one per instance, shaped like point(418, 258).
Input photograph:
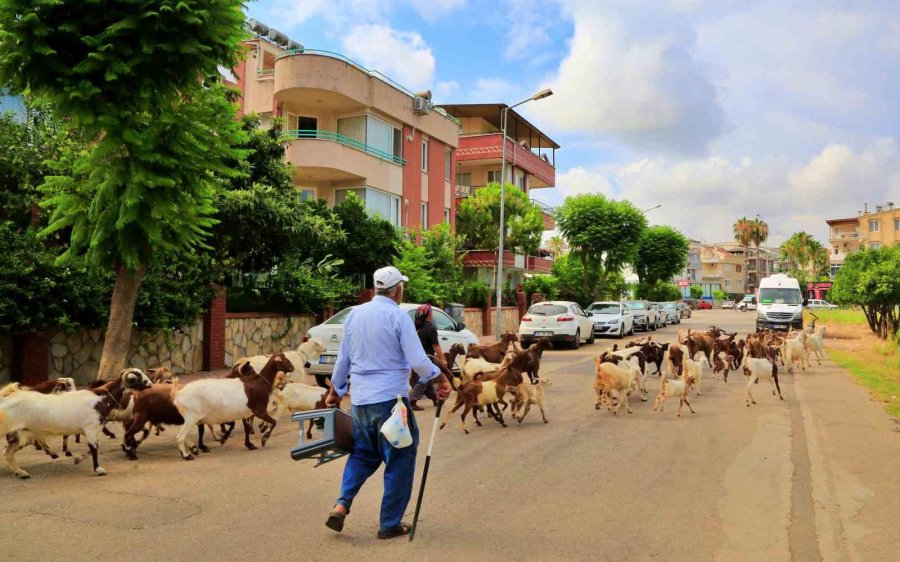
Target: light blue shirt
point(379, 347)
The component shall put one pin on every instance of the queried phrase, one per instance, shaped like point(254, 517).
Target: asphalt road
point(806, 478)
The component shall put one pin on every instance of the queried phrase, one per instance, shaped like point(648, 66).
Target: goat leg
point(247, 429)
point(108, 433)
point(201, 428)
point(270, 422)
point(12, 445)
point(41, 445)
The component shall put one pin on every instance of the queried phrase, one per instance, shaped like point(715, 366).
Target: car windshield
point(779, 296)
point(604, 308)
point(547, 310)
point(339, 317)
point(669, 305)
point(749, 298)
point(636, 305)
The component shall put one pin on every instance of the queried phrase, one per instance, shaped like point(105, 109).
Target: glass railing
point(346, 141)
point(373, 73)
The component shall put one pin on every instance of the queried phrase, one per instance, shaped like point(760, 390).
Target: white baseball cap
point(387, 277)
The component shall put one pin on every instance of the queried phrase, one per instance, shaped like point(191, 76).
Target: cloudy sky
point(713, 108)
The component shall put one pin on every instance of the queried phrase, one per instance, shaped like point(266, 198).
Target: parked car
point(819, 303)
point(611, 318)
point(685, 309)
point(561, 321)
point(690, 302)
point(645, 315)
point(663, 319)
point(728, 303)
point(332, 330)
point(704, 305)
point(671, 312)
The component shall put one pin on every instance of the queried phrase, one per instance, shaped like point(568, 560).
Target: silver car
point(671, 312)
point(645, 315)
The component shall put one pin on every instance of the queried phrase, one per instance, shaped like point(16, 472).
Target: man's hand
point(443, 388)
point(332, 399)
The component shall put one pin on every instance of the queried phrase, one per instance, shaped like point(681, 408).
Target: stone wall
point(248, 334)
point(77, 354)
point(6, 358)
point(473, 320)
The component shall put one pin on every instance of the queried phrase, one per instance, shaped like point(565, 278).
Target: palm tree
point(556, 244)
point(806, 256)
point(758, 235)
point(743, 234)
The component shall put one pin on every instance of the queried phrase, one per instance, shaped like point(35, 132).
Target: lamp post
point(645, 211)
point(498, 321)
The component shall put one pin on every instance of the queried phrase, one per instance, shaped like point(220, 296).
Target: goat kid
point(755, 369)
point(670, 388)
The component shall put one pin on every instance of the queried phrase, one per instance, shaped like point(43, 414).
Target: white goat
point(27, 415)
point(815, 344)
point(308, 352)
point(670, 388)
point(694, 368)
point(793, 350)
point(755, 369)
point(298, 397)
point(473, 366)
point(609, 377)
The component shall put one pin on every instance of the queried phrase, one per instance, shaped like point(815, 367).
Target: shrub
point(475, 293)
point(543, 284)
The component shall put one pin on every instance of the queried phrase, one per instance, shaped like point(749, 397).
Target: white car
point(728, 303)
point(611, 318)
point(819, 303)
point(671, 312)
point(645, 315)
point(332, 330)
point(561, 321)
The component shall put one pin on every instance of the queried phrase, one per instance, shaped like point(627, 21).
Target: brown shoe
point(415, 407)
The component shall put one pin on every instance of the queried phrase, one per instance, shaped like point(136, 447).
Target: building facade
point(530, 165)
point(723, 269)
point(354, 130)
point(692, 272)
point(869, 229)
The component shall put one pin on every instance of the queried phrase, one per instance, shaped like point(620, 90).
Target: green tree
point(870, 279)
point(568, 271)
point(719, 295)
point(370, 242)
point(658, 292)
point(556, 245)
point(602, 234)
point(133, 78)
point(696, 292)
point(807, 258)
point(434, 267)
point(661, 255)
point(759, 233)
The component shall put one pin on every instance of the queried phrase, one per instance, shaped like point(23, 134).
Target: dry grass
point(873, 362)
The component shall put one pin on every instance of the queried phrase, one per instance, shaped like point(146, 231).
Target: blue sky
point(714, 108)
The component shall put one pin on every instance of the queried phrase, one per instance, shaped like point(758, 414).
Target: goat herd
point(261, 386)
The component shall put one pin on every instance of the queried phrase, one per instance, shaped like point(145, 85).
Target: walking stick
point(434, 427)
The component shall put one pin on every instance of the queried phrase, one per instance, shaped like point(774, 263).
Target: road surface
point(811, 477)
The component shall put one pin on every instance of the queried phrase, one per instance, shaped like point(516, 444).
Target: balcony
point(488, 147)
point(547, 210)
point(844, 236)
point(326, 156)
point(327, 81)
point(488, 258)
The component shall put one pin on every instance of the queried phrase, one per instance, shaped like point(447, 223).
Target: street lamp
point(645, 211)
point(498, 322)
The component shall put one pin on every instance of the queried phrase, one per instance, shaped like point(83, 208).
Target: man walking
point(378, 349)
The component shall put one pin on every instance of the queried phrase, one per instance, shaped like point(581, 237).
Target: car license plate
point(327, 359)
point(543, 333)
point(779, 326)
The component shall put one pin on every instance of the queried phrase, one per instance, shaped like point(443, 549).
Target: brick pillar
point(522, 303)
point(32, 358)
point(214, 333)
point(365, 295)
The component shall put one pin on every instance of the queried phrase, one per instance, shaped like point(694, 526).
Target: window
point(493, 176)
point(836, 251)
point(737, 268)
point(836, 231)
point(519, 180)
point(372, 135)
point(307, 194)
point(874, 226)
point(307, 124)
point(424, 215)
point(464, 178)
point(727, 282)
point(424, 155)
point(446, 215)
point(441, 320)
point(896, 224)
point(377, 202)
point(447, 170)
point(874, 245)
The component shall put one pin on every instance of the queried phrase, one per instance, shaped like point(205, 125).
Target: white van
point(780, 303)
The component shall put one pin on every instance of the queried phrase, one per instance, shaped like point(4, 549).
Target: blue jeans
point(370, 449)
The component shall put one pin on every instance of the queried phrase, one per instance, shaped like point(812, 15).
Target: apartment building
point(723, 269)
point(691, 274)
point(869, 229)
point(530, 165)
point(353, 130)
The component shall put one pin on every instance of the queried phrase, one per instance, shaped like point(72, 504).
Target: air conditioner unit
point(421, 105)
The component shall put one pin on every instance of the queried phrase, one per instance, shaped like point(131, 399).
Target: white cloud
point(444, 91)
point(403, 56)
point(703, 197)
point(645, 89)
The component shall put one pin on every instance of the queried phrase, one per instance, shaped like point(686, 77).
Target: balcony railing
point(844, 235)
point(346, 141)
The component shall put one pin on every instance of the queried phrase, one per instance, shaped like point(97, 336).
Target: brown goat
point(474, 394)
point(152, 406)
point(493, 352)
